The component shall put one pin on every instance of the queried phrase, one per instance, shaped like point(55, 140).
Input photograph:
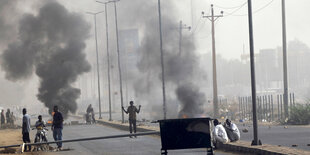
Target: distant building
point(267, 67)
point(129, 45)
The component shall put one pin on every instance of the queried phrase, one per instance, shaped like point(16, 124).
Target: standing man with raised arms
point(132, 110)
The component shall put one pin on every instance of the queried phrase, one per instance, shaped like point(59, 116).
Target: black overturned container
point(187, 133)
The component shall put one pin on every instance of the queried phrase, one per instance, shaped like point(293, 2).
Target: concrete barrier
point(124, 127)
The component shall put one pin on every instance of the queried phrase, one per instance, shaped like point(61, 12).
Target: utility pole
point(98, 75)
point(192, 18)
point(253, 83)
point(285, 81)
point(181, 27)
point(213, 18)
point(162, 61)
point(108, 57)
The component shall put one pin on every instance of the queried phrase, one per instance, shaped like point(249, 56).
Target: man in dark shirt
point(8, 118)
point(132, 110)
point(57, 126)
point(90, 110)
point(2, 118)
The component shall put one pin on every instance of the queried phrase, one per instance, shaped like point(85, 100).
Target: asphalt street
point(278, 135)
point(275, 135)
point(146, 145)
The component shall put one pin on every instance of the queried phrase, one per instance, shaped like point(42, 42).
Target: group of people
point(57, 124)
point(8, 117)
point(57, 127)
point(228, 132)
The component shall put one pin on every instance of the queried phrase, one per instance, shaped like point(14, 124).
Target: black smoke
point(181, 69)
point(51, 44)
point(191, 100)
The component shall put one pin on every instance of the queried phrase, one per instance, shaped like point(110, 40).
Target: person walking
point(132, 110)
point(26, 129)
point(57, 127)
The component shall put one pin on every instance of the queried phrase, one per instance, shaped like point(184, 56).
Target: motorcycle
point(89, 119)
point(41, 136)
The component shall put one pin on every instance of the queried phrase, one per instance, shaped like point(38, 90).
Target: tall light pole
point(253, 83)
point(108, 57)
point(285, 81)
point(119, 60)
point(213, 18)
point(98, 74)
point(181, 27)
point(162, 62)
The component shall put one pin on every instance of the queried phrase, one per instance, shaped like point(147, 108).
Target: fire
point(49, 122)
point(184, 116)
point(203, 115)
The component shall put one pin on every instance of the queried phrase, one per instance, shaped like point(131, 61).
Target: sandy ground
point(10, 137)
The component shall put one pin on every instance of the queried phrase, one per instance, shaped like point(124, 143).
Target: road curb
point(123, 127)
point(239, 147)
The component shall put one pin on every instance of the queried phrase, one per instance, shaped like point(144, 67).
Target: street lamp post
point(253, 83)
point(162, 62)
point(98, 74)
point(285, 80)
point(108, 58)
point(119, 60)
point(118, 54)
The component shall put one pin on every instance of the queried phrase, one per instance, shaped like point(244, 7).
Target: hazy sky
point(231, 30)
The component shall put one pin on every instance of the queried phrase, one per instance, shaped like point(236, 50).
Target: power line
point(256, 11)
point(208, 35)
point(198, 24)
point(194, 30)
point(202, 25)
point(234, 7)
point(263, 7)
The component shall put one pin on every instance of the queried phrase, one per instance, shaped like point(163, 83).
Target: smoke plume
point(7, 28)
point(191, 100)
point(50, 43)
point(181, 69)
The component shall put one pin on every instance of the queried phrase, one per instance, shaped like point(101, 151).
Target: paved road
point(278, 135)
point(149, 145)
